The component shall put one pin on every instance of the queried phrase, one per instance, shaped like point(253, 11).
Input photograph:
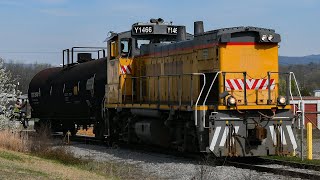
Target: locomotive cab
point(124, 47)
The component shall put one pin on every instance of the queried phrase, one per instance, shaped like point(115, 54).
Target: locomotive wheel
point(99, 129)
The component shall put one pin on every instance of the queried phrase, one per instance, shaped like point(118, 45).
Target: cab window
point(125, 48)
point(140, 42)
point(113, 50)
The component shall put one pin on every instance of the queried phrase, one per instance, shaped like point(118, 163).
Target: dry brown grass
point(13, 141)
point(40, 146)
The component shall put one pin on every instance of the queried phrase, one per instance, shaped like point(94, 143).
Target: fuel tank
point(153, 132)
point(74, 92)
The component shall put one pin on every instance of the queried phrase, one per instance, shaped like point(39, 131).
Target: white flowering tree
point(8, 91)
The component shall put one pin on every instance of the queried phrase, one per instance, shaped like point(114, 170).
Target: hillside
point(287, 60)
point(307, 75)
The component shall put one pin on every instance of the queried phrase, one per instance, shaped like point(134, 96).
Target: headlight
point(281, 100)
point(264, 37)
point(270, 37)
point(231, 101)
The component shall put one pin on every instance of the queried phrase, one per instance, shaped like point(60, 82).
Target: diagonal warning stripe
point(215, 139)
point(238, 84)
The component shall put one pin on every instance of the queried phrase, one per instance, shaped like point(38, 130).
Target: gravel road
point(167, 167)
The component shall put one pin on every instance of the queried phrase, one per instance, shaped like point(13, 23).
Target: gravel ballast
point(163, 166)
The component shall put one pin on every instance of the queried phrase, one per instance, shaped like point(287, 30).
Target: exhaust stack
point(182, 34)
point(198, 28)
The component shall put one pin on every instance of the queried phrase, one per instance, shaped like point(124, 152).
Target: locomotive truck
point(214, 91)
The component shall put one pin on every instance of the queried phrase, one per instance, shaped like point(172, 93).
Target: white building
point(316, 93)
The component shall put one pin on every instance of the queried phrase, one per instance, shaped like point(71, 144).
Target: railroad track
point(257, 164)
point(292, 164)
point(279, 167)
point(82, 139)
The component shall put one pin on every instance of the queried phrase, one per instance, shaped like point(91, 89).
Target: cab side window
point(125, 48)
point(113, 49)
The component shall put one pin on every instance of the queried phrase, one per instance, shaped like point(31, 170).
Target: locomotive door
point(112, 88)
point(125, 70)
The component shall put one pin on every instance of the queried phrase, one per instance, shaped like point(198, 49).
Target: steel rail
point(276, 171)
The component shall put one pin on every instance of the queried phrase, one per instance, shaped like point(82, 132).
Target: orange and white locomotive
point(215, 91)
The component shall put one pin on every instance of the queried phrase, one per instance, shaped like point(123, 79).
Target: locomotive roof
point(225, 35)
point(229, 34)
point(240, 29)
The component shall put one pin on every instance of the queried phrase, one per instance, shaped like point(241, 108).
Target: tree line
point(307, 76)
point(23, 73)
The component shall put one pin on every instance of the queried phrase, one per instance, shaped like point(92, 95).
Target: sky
point(36, 31)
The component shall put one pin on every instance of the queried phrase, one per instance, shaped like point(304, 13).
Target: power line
point(30, 52)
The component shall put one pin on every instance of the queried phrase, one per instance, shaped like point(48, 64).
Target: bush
point(37, 144)
point(59, 154)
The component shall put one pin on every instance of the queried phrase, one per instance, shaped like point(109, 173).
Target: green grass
point(295, 159)
point(10, 156)
point(13, 171)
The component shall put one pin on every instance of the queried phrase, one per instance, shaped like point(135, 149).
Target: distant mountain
point(286, 60)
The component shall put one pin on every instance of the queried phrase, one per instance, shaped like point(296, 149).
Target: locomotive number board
point(154, 29)
point(142, 29)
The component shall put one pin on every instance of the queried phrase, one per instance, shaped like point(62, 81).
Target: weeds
point(203, 170)
point(13, 141)
point(40, 145)
point(61, 155)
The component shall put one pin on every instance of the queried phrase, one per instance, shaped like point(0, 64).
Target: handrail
point(158, 77)
point(205, 100)
point(288, 83)
point(67, 52)
point(177, 75)
point(297, 86)
point(301, 101)
point(204, 84)
point(244, 82)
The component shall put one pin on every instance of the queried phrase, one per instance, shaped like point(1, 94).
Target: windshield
point(140, 42)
